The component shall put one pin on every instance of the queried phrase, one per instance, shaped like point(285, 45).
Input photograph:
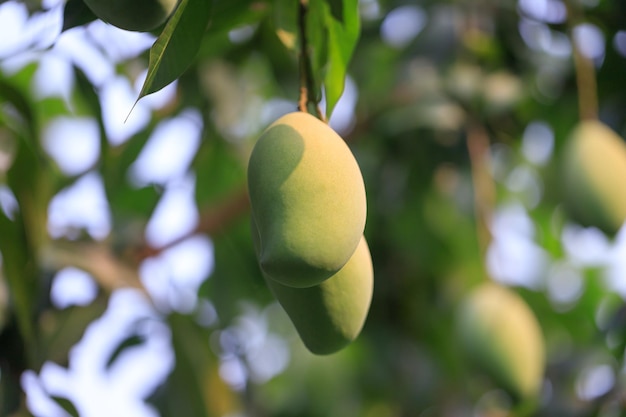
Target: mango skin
point(502, 336)
point(308, 199)
point(594, 172)
point(134, 15)
point(331, 315)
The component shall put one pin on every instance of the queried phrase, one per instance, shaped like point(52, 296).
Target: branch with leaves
point(328, 33)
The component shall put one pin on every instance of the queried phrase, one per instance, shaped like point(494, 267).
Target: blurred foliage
point(442, 127)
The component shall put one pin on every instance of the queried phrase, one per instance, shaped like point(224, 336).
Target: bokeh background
point(141, 290)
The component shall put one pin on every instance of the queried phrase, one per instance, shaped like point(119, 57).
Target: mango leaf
point(16, 109)
point(337, 8)
point(194, 388)
point(228, 15)
point(14, 362)
point(128, 201)
point(60, 330)
point(236, 275)
point(23, 235)
point(66, 405)
point(343, 34)
point(285, 21)
point(332, 30)
point(87, 99)
point(31, 181)
point(76, 13)
point(317, 40)
point(130, 341)
point(19, 274)
point(22, 231)
point(219, 172)
point(177, 46)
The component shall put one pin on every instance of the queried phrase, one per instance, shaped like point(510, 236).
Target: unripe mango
point(330, 315)
point(501, 334)
point(308, 200)
point(135, 15)
point(594, 172)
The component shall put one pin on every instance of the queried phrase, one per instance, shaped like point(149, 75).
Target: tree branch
point(113, 271)
point(213, 220)
point(584, 68)
point(484, 190)
point(95, 258)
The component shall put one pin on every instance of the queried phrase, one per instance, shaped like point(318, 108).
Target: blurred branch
point(213, 220)
point(95, 258)
point(583, 67)
point(112, 271)
point(484, 189)
point(586, 83)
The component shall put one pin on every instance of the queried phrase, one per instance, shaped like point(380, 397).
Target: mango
point(331, 315)
point(501, 335)
point(135, 15)
point(307, 198)
point(594, 173)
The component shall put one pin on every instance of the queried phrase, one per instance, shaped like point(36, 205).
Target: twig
point(112, 271)
point(484, 190)
point(584, 69)
point(213, 220)
point(96, 259)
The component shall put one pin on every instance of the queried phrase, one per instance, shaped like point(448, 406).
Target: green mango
point(500, 333)
point(307, 197)
point(329, 316)
point(594, 173)
point(135, 15)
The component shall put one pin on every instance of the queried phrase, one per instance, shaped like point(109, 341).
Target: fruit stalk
point(307, 86)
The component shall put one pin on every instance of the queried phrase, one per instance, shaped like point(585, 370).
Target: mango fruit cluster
point(134, 15)
point(502, 336)
point(308, 208)
point(594, 171)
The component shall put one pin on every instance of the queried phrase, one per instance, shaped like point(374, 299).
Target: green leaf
point(130, 341)
point(228, 15)
point(317, 40)
point(236, 275)
point(60, 330)
point(66, 405)
point(194, 388)
point(30, 178)
point(337, 9)
point(76, 13)
point(17, 110)
point(332, 30)
point(127, 200)
point(86, 97)
point(22, 236)
point(285, 21)
point(177, 46)
point(19, 274)
point(14, 362)
point(343, 34)
point(219, 170)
